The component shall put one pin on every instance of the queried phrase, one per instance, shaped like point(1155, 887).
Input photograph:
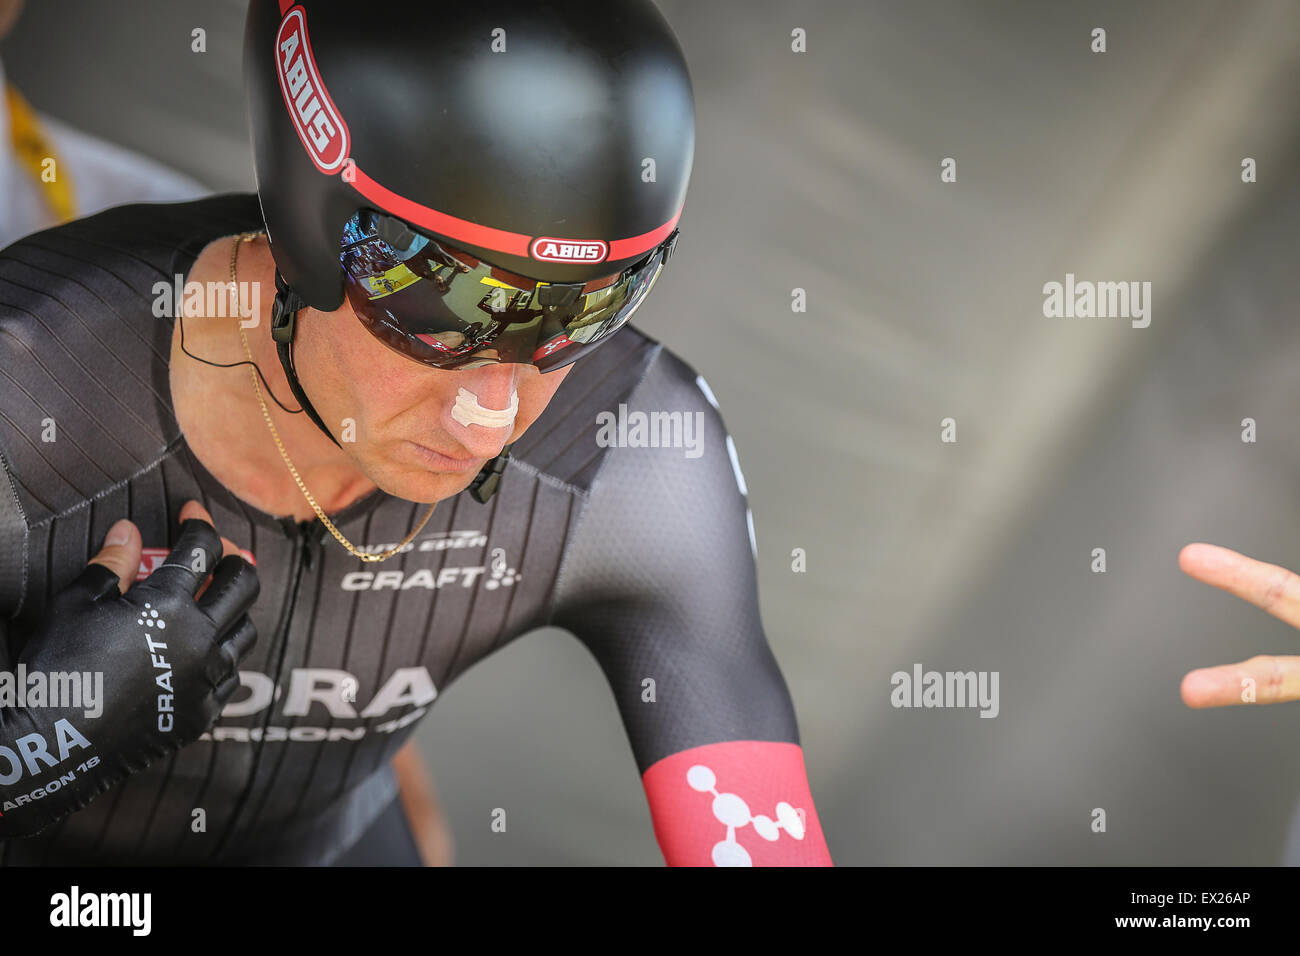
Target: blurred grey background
point(821, 170)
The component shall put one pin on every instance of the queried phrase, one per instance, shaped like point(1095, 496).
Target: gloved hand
point(169, 664)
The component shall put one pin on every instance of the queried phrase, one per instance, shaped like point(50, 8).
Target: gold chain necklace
point(257, 387)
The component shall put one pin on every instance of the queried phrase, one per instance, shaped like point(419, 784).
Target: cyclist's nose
point(480, 413)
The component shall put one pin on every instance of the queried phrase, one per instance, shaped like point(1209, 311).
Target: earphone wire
point(180, 317)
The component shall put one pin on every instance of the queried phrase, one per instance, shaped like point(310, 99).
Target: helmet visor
point(445, 308)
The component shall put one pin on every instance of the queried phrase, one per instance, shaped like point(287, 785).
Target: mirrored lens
point(441, 306)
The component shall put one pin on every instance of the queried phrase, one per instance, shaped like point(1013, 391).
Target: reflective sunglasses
point(447, 309)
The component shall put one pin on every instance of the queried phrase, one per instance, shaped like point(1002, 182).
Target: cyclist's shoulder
point(633, 392)
point(85, 400)
point(104, 274)
point(143, 232)
point(672, 384)
point(632, 369)
point(560, 443)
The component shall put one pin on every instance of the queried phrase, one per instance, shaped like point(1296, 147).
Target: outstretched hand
point(1272, 679)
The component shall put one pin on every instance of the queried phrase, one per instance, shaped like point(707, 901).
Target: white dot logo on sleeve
point(468, 411)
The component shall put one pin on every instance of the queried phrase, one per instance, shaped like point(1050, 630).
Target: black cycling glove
point(168, 663)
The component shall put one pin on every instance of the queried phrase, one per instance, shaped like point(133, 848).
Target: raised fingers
point(121, 553)
point(232, 592)
point(1267, 586)
point(192, 509)
point(192, 558)
point(1260, 680)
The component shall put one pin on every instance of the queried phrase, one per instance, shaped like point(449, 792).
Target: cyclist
point(453, 225)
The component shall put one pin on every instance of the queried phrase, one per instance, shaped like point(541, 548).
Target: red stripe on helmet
point(461, 230)
point(636, 245)
point(485, 237)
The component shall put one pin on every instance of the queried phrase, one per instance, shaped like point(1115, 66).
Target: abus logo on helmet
point(314, 115)
point(569, 250)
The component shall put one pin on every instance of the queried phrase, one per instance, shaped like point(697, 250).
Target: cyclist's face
point(397, 412)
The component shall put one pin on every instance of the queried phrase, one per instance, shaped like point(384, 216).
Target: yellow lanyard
point(32, 147)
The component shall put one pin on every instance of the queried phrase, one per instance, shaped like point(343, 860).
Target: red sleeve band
point(738, 803)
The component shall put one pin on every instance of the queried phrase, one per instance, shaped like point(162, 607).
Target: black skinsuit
point(643, 553)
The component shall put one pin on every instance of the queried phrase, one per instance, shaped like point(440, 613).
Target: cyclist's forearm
point(420, 804)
